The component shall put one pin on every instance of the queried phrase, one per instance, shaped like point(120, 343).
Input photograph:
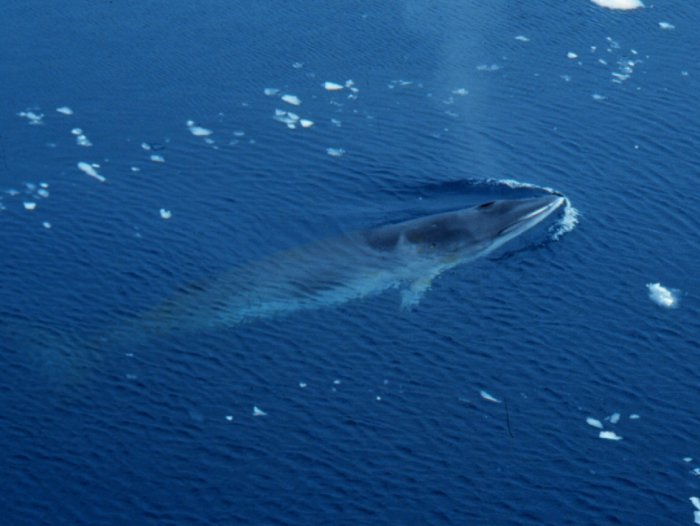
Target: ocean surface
point(149, 148)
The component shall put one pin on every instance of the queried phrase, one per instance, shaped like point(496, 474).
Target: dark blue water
point(373, 414)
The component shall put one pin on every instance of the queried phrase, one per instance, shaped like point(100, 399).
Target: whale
point(407, 255)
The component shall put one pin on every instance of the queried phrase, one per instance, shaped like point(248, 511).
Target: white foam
point(488, 397)
point(88, 169)
point(568, 221)
point(666, 25)
point(157, 158)
point(335, 152)
point(593, 422)
point(65, 110)
point(609, 435)
point(291, 99)
point(332, 86)
point(619, 4)
point(258, 412)
point(165, 214)
point(199, 131)
point(662, 296)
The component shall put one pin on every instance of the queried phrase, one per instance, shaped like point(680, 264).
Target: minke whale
point(407, 255)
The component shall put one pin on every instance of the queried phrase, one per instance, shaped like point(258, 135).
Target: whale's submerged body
point(350, 266)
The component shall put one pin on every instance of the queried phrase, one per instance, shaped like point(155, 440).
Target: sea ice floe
point(199, 131)
point(46, 224)
point(157, 158)
point(609, 435)
point(42, 192)
point(82, 140)
point(614, 418)
point(34, 118)
point(291, 99)
point(229, 417)
point(522, 38)
point(619, 4)
point(696, 517)
point(696, 502)
point(598, 96)
point(460, 91)
point(305, 123)
point(572, 55)
point(271, 92)
point(336, 122)
point(332, 86)
point(488, 397)
point(662, 296)
point(593, 422)
point(29, 205)
point(145, 146)
point(335, 152)
point(165, 214)
point(258, 412)
point(88, 169)
point(76, 131)
point(65, 110)
point(634, 417)
point(302, 385)
point(666, 25)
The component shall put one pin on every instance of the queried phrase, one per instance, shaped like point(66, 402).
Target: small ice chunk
point(145, 146)
point(597, 96)
point(88, 169)
point(306, 123)
point(614, 418)
point(65, 110)
point(271, 92)
point(44, 185)
point(293, 116)
point(29, 205)
point(619, 4)
point(593, 422)
point(332, 86)
point(666, 25)
point(571, 55)
point(696, 502)
point(335, 152)
point(76, 131)
point(488, 397)
point(662, 296)
point(229, 417)
point(298, 65)
point(609, 435)
point(165, 214)
point(696, 472)
point(199, 131)
point(696, 517)
point(46, 224)
point(42, 192)
point(291, 99)
point(460, 91)
point(82, 140)
point(240, 133)
point(135, 169)
point(687, 459)
point(302, 385)
point(349, 83)
point(258, 412)
point(157, 158)
point(336, 122)
point(634, 417)
point(522, 38)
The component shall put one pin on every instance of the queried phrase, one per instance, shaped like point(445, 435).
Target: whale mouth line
point(546, 210)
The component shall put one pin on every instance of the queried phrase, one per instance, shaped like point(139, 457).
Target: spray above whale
point(354, 265)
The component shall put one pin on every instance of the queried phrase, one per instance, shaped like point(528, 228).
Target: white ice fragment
point(349, 83)
point(486, 67)
point(306, 123)
point(65, 110)
point(609, 435)
point(696, 472)
point(291, 99)
point(88, 169)
point(522, 38)
point(335, 152)
point(29, 205)
point(614, 418)
point(332, 86)
point(258, 412)
point(666, 25)
point(696, 517)
point(145, 146)
point(165, 214)
point(82, 140)
point(190, 123)
point(241, 133)
point(662, 296)
point(46, 224)
point(302, 384)
point(298, 65)
point(42, 192)
point(619, 4)
point(354, 90)
point(336, 382)
point(76, 131)
point(271, 92)
point(687, 459)
point(598, 96)
point(293, 116)
point(696, 502)
point(199, 131)
point(571, 55)
point(634, 417)
point(135, 169)
point(593, 422)
point(336, 122)
point(229, 417)
point(488, 397)
point(460, 91)
point(157, 158)
point(34, 118)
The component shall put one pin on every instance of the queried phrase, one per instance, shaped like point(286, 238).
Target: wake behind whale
point(354, 265)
